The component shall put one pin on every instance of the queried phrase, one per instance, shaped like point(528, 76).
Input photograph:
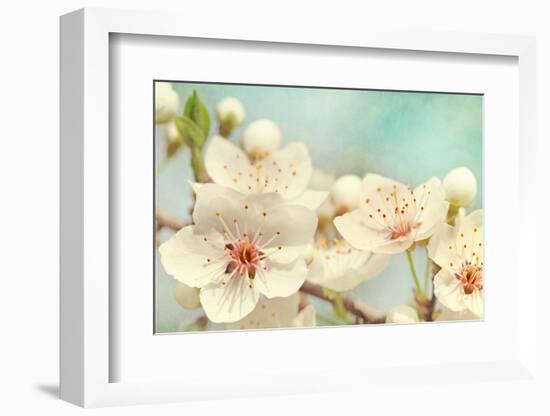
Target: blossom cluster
point(265, 222)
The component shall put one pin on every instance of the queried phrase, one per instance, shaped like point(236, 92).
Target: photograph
point(283, 206)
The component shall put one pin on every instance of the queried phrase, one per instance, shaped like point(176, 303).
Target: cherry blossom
point(340, 267)
point(286, 172)
point(277, 313)
point(241, 246)
point(392, 216)
point(459, 252)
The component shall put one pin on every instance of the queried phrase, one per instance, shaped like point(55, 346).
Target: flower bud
point(346, 193)
point(230, 113)
point(174, 140)
point(261, 138)
point(187, 296)
point(402, 314)
point(166, 102)
point(460, 187)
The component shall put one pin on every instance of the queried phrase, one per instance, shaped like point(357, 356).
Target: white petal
point(441, 246)
point(469, 237)
point(432, 220)
point(450, 246)
point(280, 280)
point(383, 199)
point(195, 186)
point(186, 256)
point(375, 265)
point(270, 313)
point(449, 291)
point(306, 318)
point(281, 310)
point(327, 273)
point(294, 224)
point(227, 165)
point(396, 246)
point(187, 296)
point(282, 225)
point(316, 269)
point(431, 197)
point(287, 254)
point(350, 280)
point(474, 302)
point(230, 302)
point(374, 185)
point(343, 272)
point(402, 314)
point(215, 203)
point(474, 219)
point(353, 227)
point(288, 171)
point(310, 199)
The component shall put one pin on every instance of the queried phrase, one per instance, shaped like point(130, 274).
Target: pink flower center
point(400, 211)
point(245, 257)
point(471, 277)
point(402, 229)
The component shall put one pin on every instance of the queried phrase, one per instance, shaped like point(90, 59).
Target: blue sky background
point(407, 136)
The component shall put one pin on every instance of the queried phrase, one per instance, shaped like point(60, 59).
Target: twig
point(363, 313)
point(426, 306)
point(167, 220)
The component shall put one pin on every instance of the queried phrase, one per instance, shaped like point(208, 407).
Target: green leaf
point(190, 131)
point(196, 111)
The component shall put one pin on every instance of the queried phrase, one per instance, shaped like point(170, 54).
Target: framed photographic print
point(253, 222)
point(276, 233)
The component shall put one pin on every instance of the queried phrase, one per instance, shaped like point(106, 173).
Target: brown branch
point(426, 307)
point(433, 302)
point(166, 220)
point(363, 313)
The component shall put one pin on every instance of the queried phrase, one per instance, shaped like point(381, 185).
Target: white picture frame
point(86, 356)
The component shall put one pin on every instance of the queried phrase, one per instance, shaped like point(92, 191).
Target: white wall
point(29, 177)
